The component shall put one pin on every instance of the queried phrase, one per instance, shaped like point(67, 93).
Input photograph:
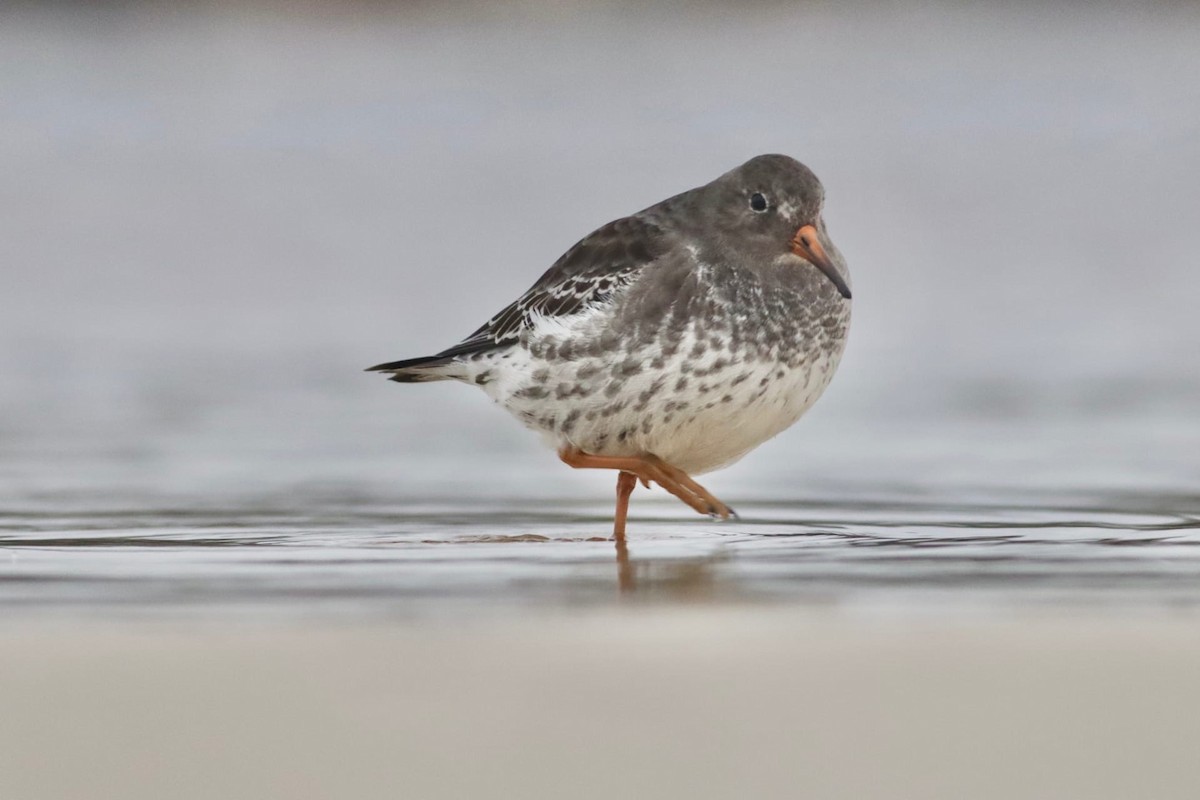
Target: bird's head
point(769, 210)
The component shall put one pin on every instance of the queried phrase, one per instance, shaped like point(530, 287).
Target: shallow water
point(359, 548)
point(214, 218)
point(375, 559)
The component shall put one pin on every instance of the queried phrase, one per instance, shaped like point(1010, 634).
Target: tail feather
point(415, 370)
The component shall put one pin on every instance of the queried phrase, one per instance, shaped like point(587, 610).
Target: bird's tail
point(416, 370)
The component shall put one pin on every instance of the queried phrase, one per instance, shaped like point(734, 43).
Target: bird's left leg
point(651, 468)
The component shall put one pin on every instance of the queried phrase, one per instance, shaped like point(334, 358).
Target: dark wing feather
point(589, 273)
point(605, 261)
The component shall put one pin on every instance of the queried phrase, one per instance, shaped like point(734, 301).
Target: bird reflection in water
point(626, 577)
point(688, 580)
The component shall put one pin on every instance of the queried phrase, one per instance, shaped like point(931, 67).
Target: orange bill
point(806, 245)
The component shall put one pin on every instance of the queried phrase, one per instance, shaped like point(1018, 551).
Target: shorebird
point(671, 342)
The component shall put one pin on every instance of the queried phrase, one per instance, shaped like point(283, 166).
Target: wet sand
point(703, 702)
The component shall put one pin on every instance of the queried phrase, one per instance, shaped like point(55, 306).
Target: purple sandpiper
point(671, 342)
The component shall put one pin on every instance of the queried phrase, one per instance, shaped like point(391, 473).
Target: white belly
point(698, 413)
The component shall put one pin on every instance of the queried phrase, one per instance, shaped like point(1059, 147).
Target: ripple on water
point(384, 559)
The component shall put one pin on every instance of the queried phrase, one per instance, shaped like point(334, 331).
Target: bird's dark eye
point(758, 202)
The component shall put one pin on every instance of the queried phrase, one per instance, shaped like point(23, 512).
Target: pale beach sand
point(722, 703)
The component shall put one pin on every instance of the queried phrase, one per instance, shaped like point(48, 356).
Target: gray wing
point(589, 273)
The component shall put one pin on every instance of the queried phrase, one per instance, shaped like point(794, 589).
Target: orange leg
point(648, 468)
point(626, 483)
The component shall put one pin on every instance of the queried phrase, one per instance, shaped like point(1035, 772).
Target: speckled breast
point(699, 395)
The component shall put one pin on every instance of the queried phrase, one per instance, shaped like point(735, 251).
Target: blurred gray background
point(981, 544)
point(212, 217)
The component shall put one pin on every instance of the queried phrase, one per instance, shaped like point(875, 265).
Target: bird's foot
point(680, 484)
point(649, 468)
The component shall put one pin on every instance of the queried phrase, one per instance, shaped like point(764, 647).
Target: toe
point(720, 511)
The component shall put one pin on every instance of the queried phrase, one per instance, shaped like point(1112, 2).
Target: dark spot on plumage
point(625, 434)
point(699, 350)
point(541, 375)
point(681, 384)
point(483, 377)
point(532, 392)
point(628, 368)
point(611, 389)
point(716, 366)
point(601, 440)
point(564, 390)
point(766, 379)
point(727, 398)
point(658, 363)
point(589, 416)
point(615, 408)
point(647, 426)
point(583, 373)
point(745, 376)
point(645, 397)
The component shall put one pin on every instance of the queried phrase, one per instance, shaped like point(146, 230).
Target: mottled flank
point(694, 330)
